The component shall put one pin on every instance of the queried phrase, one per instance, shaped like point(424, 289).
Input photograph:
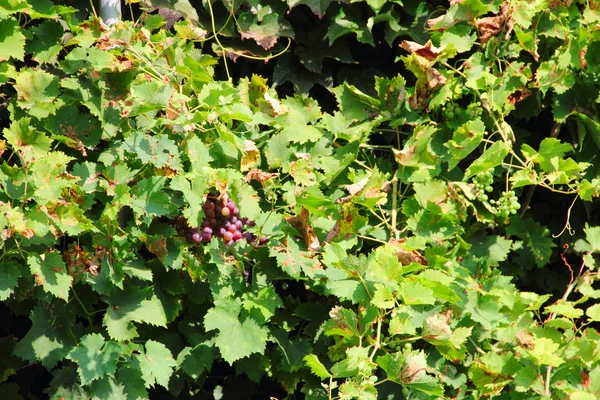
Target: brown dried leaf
point(302, 224)
point(260, 176)
point(428, 51)
point(407, 256)
point(434, 78)
point(519, 95)
point(251, 155)
point(491, 26)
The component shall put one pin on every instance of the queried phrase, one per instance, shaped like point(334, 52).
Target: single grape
point(262, 239)
point(237, 235)
point(251, 223)
point(196, 237)
point(232, 228)
point(239, 224)
point(206, 236)
point(222, 231)
point(209, 214)
point(225, 211)
point(207, 229)
point(235, 211)
point(227, 236)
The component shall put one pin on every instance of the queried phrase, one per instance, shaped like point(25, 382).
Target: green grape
point(450, 115)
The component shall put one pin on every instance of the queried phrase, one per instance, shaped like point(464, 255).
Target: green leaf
point(51, 273)
point(461, 36)
point(316, 367)
point(156, 363)
point(536, 236)
point(464, 141)
point(108, 389)
point(415, 293)
point(593, 312)
point(265, 300)
point(150, 96)
point(157, 150)
point(37, 91)
point(544, 352)
point(9, 275)
point(50, 338)
point(149, 200)
point(565, 308)
point(354, 104)
point(12, 40)
point(491, 157)
point(47, 42)
point(132, 305)
point(95, 357)
point(24, 138)
point(135, 389)
point(193, 187)
point(236, 339)
point(194, 361)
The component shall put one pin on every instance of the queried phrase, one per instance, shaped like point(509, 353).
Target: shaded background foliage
point(361, 102)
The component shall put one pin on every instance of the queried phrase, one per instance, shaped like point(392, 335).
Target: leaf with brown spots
point(302, 224)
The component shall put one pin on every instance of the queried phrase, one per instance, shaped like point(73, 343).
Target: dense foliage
point(416, 188)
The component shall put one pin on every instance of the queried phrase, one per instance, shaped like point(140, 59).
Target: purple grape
point(235, 211)
point(232, 228)
point(239, 224)
point(222, 231)
point(209, 214)
point(251, 223)
point(233, 219)
point(205, 223)
point(206, 236)
point(207, 229)
point(196, 237)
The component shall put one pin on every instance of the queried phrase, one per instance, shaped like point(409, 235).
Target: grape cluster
point(222, 219)
point(474, 110)
point(451, 111)
point(507, 204)
point(482, 183)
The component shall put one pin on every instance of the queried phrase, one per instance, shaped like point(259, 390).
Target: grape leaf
point(51, 273)
point(50, 338)
point(132, 305)
point(108, 389)
point(156, 364)
point(136, 387)
point(236, 339)
point(316, 367)
point(37, 90)
point(95, 357)
point(12, 40)
point(194, 361)
point(9, 275)
point(23, 137)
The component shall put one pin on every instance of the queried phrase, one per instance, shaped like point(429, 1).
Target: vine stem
point(572, 284)
point(394, 211)
point(377, 340)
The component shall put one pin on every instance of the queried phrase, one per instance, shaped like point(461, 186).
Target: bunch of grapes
point(474, 110)
point(451, 111)
point(222, 219)
point(482, 183)
point(508, 204)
